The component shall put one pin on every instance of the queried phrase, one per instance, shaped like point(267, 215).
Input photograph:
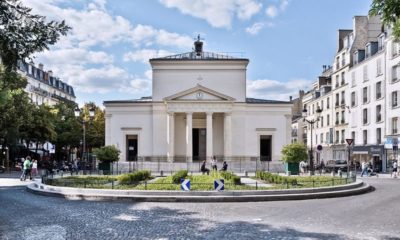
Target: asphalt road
point(375, 215)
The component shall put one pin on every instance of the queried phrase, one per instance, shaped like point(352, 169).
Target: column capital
point(228, 114)
point(170, 112)
point(189, 113)
point(209, 113)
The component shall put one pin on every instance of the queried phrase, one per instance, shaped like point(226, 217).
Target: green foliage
point(23, 33)
point(230, 176)
point(294, 153)
point(389, 11)
point(107, 153)
point(176, 178)
point(275, 178)
point(135, 177)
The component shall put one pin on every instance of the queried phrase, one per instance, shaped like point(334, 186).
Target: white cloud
point(218, 14)
point(74, 56)
point(271, 11)
point(276, 90)
point(257, 27)
point(284, 4)
point(144, 55)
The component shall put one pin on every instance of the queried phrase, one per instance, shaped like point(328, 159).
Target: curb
point(356, 188)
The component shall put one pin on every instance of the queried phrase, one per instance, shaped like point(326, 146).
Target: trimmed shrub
point(176, 178)
point(134, 177)
point(230, 176)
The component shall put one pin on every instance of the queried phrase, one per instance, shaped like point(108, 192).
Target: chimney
point(50, 73)
point(324, 68)
point(41, 66)
point(290, 98)
point(198, 46)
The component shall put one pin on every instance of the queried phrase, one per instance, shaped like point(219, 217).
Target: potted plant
point(292, 155)
point(106, 155)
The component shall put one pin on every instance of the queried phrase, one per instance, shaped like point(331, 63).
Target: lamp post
point(78, 112)
point(311, 122)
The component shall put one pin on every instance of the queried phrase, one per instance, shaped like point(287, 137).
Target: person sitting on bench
point(224, 166)
point(203, 168)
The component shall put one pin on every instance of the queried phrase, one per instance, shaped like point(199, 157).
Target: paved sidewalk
point(253, 182)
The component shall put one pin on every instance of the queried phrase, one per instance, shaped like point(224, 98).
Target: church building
point(198, 109)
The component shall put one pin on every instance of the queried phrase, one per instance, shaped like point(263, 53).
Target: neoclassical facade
point(198, 109)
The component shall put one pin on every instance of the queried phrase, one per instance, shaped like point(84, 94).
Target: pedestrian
point(34, 168)
point(364, 168)
point(224, 166)
point(27, 169)
point(213, 163)
point(394, 172)
point(203, 168)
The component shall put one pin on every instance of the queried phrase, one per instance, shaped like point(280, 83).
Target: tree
point(107, 153)
point(95, 131)
point(23, 33)
point(294, 153)
point(389, 11)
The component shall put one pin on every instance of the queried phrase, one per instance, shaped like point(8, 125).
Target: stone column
point(209, 151)
point(170, 135)
point(189, 138)
point(227, 135)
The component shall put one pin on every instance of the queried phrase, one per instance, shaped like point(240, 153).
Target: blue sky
point(105, 55)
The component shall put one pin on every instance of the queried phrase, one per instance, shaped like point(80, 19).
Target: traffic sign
point(185, 184)
point(349, 141)
point(219, 184)
point(319, 147)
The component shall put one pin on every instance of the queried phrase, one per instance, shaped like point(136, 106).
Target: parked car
point(335, 165)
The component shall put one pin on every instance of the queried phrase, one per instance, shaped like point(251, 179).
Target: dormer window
point(381, 42)
point(368, 50)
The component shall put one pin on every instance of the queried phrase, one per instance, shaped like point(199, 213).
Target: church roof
point(256, 100)
point(198, 56)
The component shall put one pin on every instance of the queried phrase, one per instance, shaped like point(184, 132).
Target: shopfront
point(373, 154)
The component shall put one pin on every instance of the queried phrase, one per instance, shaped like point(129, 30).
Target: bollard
point(112, 184)
point(161, 173)
point(333, 173)
point(289, 173)
point(245, 173)
point(333, 182)
point(256, 186)
point(313, 183)
point(340, 173)
point(145, 185)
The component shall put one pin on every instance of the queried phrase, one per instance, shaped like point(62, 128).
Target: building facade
point(198, 109)
point(43, 87)
point(359, 97)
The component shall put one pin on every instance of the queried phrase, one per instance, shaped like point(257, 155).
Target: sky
point(105, 55)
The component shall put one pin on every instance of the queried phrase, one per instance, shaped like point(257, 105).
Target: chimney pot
point(41, 66)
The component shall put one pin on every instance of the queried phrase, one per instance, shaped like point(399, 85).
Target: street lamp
point(78, 112)
point(311, 122)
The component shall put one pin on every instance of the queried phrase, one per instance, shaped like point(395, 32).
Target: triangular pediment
point(199, 93)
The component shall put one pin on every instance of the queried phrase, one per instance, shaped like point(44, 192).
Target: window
point(378, 90)
point(394, 125)
point(394, 99)
point(327, 137)
point(322, 138)
point(381, 42)
point(337, 137)
point(353, 79)
point(343, 119)
point(365, 73)
point(337, 100)
point(327, 103)
point(355, 58)
point(395, 49)
point(378, 113)
point(337, 81)
point(365, 137)
point(395, 70)
point(365, 116)
point(342, 139)
point(327, 120)
point(337, 62)
point(322, 121)
point(353, 99)
point(367, 50)
point(378, 67)
point(353, 136)
point(378, 136)
point(343, 59)
point(322, 104)
point(342, 102)
point(365, 95)
point(337, 118)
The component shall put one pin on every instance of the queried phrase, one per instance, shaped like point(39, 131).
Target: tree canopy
point(389, 11)
point(294, 153)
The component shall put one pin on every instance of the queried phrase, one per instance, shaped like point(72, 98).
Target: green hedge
point(275, 178)
point(230, 176)
point(134, 177)
point(176, 178)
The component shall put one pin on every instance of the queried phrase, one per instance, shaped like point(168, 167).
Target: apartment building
point(43, 87)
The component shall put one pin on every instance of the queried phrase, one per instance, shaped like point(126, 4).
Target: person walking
point(213, 163)
point(364, 168)
point(34, 168)
point(394, 171)
point(27, 169)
